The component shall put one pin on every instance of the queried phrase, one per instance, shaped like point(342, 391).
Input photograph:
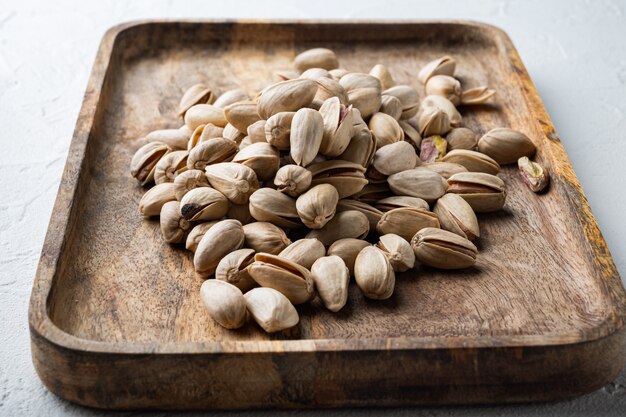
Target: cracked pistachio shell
point(347, 177)
point(241, 114)
point(393, 158)
point(483, 192)
point(350, 223)
point(203, 203)
point(433, 121)
point(304, 252)
point(362, 146)
point(411, 134)
point(174, 138)
point(457, 216)
point(445, 105)
point(204, 133)
point(196, 94)
point(372, 213)
point(385, 129)
point(347, 249)
point(187, 181)
point(444, 86)
point(265, 237)
point(174, 227)
point(327, 88)
point(307, 131)
point(283, 275)
point(443, 249)
point(230, 97)
point(390, 203)
point(145, 159)
point(390, 105)
point(462, 138)
point(445, 169)
point(278, 129)
point(433, 149)
point(271, 309)
point(374, 274)
point(317, 206)
point(233, 269)
point(262, 157)
point(382, 73)
point(221, 239)
point(232, 133)
point(224, 302)
point(534, 175)
point(293, 180)
point(338, 121)
point(331, 278)
point(202, 114)
point(211, 152)
point(473, 161)
point(154, 199)
point(269, 205)
point(170, 165)
point(290, 95)
point(236, 181)
point(316, 58)
point(477, 95)
point(408, 97)
point(440, 66)
point(256, 131)
point(398, 250)
point(406, 221)
point(506, 145)
point(240, 212)
point(195, 235)
point(424, 184)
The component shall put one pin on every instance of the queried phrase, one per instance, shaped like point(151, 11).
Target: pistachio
point(372, 213)
point(457, 216)
point(411, 134)
point(443, 249)
point(293, 180)
point(271, 309)
point(477, 95)
point(366, 100)
point(196, 94)
point(232, 133)
point(195, 235)
point(222, 238)
point(483, 192)
point(143, 164)
point(240, 212)
point(445, 86)
point(307, 130)
point(285, 276)
point(505, 145)
point(398, 250)
point(408, 99)
point(187, 181)
point(374, 274)
point(289, 95)
point(225, 303)
point(174, 227)
point(262, 157)
point(231, 96)
point(347, 249)
point(236, 181)
point(195, 137)
point(406, 221)
point(241, 114)
point(440, 66)
point(390, 203)
point(169, 166)
point(390, 105)
point(382, 73)
point(202, 114)
point(445, 169)
point(338, 73)
point(174, 138)
point(534, 175)
point(278, 129)
point(394, 158)
point(317, 206)
point(350, 223)
point(327, 88)
point(473, 161)
point(371, 193)
point(304, 252)
point(331, 278)
point(203, 203)
point(265, 237)
point(211, 152)
point(347, 177)
point(286, 74)
point(154, 199)
point(433, 149)
point(362, 146)
point(256, 132)
point(338, 121)
point(433, 121)
point(269, 205)
point(385, 129)
point(424, 184)
point(316, 58)
point(445, 105)
point(233, 269)
point(462, 138)
point(315, 73)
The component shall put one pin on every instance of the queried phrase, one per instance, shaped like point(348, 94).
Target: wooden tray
point(115, 316)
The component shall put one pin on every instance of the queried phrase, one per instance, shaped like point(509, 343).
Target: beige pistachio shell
point(203, 203)
point(174, 227)
point(196, 94)
point(305, 138)
point(394, 158)
point(371, 193)
point(327, 88)
point(316, 58)
point(462, 138)
point(195, 235)
point(271, 309)
point(169, 166)
point(317, 206)
point(293, 180)
point(262, 157)
point(444, 86)
point(202, 114)
point(533, 174)
point(242, 114)
point(424, 184)
point(338, 121)
point(457, 216)
point(240, 212)
point(505, 145)
point(411, 134)
point(372, 213)
point(440, 66)
point(445, 169)
point(265, 237)
point(187, 181)
point(385, 129)
point(224, 302)
point(350, 223)
point(174, 138)
point(390, 203)
point(153, 200)
point(269, 205)
point(232, 133)
point(483, 192)
point(338, 73)
point(347, 249)
point(236, 181)
point(315, 73)
point(145, 159)
point(355, 80)
point(362, 146)
point(347, 177)
point(374, 274)
point(211, 152)
point(222, 238)
point(406, 221)
point(366, 100)
point(278, 129)
point(285, 276)
point(381, 72)
point(290, 95)
point(443, 249)
point(233, 269)
point(408, 97)
point(445, 105)
point(477, 95)
point(256, 131)
point(473, 161)
point(398, 250)
point(331, 278)
point(230, 97)
point(304, 252)
point(433, 121)
point(390, 105)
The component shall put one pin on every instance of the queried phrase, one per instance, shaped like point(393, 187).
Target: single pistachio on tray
point(483, 192)
point(317, 206)
point(283, 275)
point(265, 237)
point(443, 249)
point(236, 181)
point(187, 181)
point(224, 302)
point(154, 199)
point(424, 184)
point(196, 233)
point(174, 138)
point(203, 203)
point(506, 145)
point(398, 250)
point(233, 269)
point(269, 205)
point(286, 96)
point(445, 86)
point(304, 252)
point(534, 175)
point(222, 238)
point(271, 309)
point(143, 164)
point(473, 161)
point(210, 152)
point(350, 223)
point(462, 138)
point(331, 278)
point(174, 226)
point(457, 216)
point(347, 249)
point(196, 94)
point(374, 274)
point(293, 180)
point(440, 66)
point(316, 58)
point(278, 129)
point(406, 221)
point(307, 131)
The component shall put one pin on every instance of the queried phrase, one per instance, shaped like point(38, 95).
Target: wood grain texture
point(115, 316)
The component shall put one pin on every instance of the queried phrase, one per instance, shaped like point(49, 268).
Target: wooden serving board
point(115, 315)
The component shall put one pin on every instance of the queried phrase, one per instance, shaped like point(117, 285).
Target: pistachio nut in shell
point(372, 213)
point(230, 97)
point(445, 169)
point(224, 302)
point(271, 309)
point(170, 165)
point(145, 159)
point(203, 203)
point(316, 58)
point(445, 105)
point(338, 121)
point(411, 134)
point(371, 193)
point(305, 138)
point(433, 121)
point(278, 129)
point(462, 138)
point(443, 249)
point(174, 227)
point(196, 94)
point(154, 199)
point(304, 252)
point(385, 129)
point(390, 105)
point(533, 175)
point(236, 181)
point(174, 138)
point(408, 97)
point(202, 114)
point(473, 161)
point(283, 275)
point(347, 177)
point(233, 269)
point(506, 145)
point(347, 249)
point(265, 237)
point(195, 235)
point(211, 152)
point(256, 131)
point(395, 157)
point(269, 205)
point(232, 133)
point(440, 66)
point(293, 180)
point(350, 223)
point(240, 212)
point(222, 238)
point(406, 221)
point(477, 95)
point(242, 114)
point(290, 95)
point(374, 274)
point(262, 157)
point(424, 184)
point(366, 100)
point(327, 88)
point(398, 250)
point(457, 216)
point(317, 206)
point(381, 72)
point(356, 80)
point(315, 73)
point(331, 277)
point(397, 201)
point(445, 86)
point(187, 181)
point(483, 192)
point(362, 146)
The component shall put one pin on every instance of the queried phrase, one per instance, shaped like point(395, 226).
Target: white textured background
point(575, 52)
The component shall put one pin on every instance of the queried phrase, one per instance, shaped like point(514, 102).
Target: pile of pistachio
point(327, 174)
